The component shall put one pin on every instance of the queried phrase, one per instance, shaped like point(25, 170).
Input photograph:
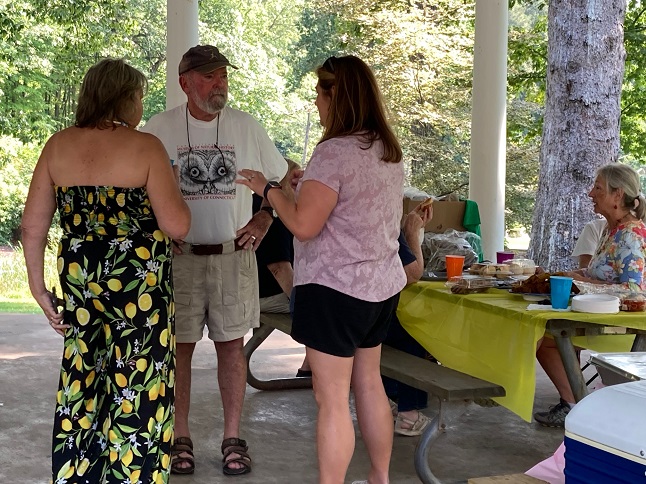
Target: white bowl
point(595, 303)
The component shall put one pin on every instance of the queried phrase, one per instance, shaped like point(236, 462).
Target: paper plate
point(595, 303)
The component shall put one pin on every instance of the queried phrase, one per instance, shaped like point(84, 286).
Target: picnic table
point(492, 336)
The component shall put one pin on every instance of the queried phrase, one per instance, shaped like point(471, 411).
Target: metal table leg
point(640, 342)
point(448, 412)
point(259, 335)
point(563, 341)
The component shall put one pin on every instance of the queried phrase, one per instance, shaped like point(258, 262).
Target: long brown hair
point(108, 93)
point(356, 104)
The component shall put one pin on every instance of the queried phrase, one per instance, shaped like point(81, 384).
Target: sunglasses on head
point(328, 65)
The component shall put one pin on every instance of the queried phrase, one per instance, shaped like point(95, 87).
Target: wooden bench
point(454, 390)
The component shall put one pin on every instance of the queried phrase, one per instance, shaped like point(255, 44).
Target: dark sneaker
point(555, 416)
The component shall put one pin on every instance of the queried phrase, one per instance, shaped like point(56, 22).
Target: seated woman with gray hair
point(620, 258)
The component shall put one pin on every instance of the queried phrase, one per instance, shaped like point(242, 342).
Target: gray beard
point(213, 105)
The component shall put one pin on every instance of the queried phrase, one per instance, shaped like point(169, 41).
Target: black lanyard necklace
point(217, 137)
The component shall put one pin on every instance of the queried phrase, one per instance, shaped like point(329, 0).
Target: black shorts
point(337, 324)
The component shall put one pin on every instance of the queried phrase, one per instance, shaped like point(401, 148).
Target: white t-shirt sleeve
point(589, 238)
point(274, 166)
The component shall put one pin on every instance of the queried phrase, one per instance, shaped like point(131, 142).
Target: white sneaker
point(359, 482)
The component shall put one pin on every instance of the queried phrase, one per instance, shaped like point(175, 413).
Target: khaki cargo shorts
point(217, 291)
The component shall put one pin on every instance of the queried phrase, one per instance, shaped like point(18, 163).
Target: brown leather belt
point(206, 249)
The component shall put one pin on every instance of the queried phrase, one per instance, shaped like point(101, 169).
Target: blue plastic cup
point(560, 288)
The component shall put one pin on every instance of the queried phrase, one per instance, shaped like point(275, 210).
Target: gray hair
point(619, 176)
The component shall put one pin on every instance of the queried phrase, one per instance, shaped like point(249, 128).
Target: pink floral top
point(621, 255)
point(356, 252)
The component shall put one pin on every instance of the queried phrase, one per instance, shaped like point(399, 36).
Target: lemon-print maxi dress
point(114, 411)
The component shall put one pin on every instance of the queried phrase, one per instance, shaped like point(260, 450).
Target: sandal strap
point(177, 450)
point(182, 445)
point(234, 442)
point(414, 424)
point(233, 449)
point(182, 460)
point(183, 441)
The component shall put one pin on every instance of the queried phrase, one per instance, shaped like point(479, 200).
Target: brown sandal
point(235, 446)
point(182, 445)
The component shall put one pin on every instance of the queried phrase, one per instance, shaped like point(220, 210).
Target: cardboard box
point(446, 215)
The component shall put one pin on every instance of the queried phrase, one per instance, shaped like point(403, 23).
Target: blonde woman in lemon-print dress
point(119, 205)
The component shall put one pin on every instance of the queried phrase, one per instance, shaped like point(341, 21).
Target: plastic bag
point(451, 242)
point(416, 194)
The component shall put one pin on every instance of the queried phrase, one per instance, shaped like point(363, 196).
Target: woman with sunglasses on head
point(345, 216)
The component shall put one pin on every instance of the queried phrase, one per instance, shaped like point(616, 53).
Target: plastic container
point(525, 266)
point(633, 302)
point(604, 437)
point(492, 270)
point(470, 284)
point(615, 368)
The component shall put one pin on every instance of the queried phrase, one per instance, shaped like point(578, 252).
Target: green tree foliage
point(421, 52)
point(17, 162)
point(257, 36)
point(422, 56)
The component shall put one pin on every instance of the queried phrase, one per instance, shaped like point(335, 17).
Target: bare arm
point(252, 234)
point(284, 275)
point(304, 217)
point(36, 220)
point(173, 215)
point(584, 260)
point(413, 223)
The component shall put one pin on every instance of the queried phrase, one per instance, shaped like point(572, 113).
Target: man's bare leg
point(232, 380)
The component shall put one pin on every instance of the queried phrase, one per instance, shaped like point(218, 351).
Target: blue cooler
point(605, 436)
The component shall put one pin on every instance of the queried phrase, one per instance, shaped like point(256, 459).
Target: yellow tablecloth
point(492, 336)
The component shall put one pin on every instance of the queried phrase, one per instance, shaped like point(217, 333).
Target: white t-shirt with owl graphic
point(209, 155)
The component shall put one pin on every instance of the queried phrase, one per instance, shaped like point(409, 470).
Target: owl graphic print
point(208, 156)
point(207, 171)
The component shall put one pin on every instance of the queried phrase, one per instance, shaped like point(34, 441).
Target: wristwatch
point(269, 186)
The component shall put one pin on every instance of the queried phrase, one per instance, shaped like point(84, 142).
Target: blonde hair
point(619, 176)
point(107, 94)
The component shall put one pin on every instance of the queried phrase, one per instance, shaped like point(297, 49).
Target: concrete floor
point(279, 426)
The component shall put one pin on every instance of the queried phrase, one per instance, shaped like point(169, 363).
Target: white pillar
point(181, 35)
point(488, 122)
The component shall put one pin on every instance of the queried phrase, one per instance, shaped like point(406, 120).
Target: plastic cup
point(560, 288)
point(454, 265)
point(502, 256)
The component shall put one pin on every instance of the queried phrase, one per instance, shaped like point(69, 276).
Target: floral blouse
point(621, 255)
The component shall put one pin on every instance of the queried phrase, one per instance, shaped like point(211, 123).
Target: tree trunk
point(581, 128)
